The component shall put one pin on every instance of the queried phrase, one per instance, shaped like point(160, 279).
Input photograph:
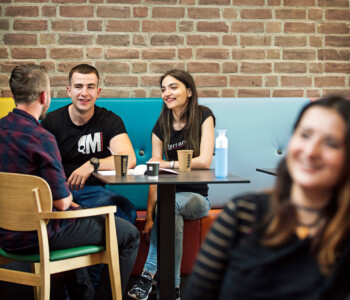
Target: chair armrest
point(81, 213)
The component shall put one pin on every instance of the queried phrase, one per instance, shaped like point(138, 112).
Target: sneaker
point(177, 293)
point(142, 287)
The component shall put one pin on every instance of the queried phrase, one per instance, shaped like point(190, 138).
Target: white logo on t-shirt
point(87, 144)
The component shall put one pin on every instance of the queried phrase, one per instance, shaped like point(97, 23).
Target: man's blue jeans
point(96, 196)
point(188, 206)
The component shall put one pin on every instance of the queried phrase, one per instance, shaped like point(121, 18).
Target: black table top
point(270, 171)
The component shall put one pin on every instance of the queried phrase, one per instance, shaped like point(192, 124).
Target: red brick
point(248, 54)
point(290, 67)
point(296, 81)
point(212, 26)
point(315, 14)
point(167, 40)
point(338, 14)
point(66, 66)
point(335, 28)
point(273, 27)
point(168, 12)
point(25, 53)
point(162, 67)
point(160, 1)
point(256, 68)
point(48, 11)
point(61, 93)
point(185, 53)
point(121, 81)
point(32, 25)
point(337, 41)
point(158, 53)
point(313, 94)
point(150, 80)
point(337, 67)
point(139, 67)
point(4, 80)
point(245, 27)
point(290, 14)
point(124, 1)
point(246, 81)
point(3, 52)
point(8, 66)
point(75, 39)
point(20, 39)
point(78, 11)
point(187, 2)
point(69, 1)
point(122, 53)
point(66, 53)
point(115, 93)
point(47, 39)
point(208, 93)
point(340, 92)
point(271, 81)
point(248, 3)
point(230, 13)
point(113, 12)
point(274, 2)
point(203, 67)
point(22, 11)
point(214, 2)
point(296, 54)
point(288, 93)
point(230, 67)
point(59, 81)
point(334, 54)
point(139, 39)
point(139, 93)
point(316, 67)
point(205, 40)
point(229, 40)
point(333, 3)
point(6, 93)
point(255, 41)
point(140, 12)
point(4, 24)
point(203, 13)
point(327, 81)
point(299, 3)
point(154, 93)
point(94, 52)
point(316, 41)
point(113, 39)
point(205, 53)
point(249, 93)
point(158, 26)
point(94, 25)
point(67, 25)
point(186, 26)
point(228, 93)
point(112, 67)
point(273, 54)
point(299, 27)
point(290, 41)
point(256, 14)
point(122, 26)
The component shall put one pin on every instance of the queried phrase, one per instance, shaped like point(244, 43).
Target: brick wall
point(233, 48)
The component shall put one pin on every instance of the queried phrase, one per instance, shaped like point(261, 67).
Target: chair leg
point(36, 289)
point(116, 286)
point(45, 284)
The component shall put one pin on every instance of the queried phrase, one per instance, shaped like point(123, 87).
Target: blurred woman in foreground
point(292, 243)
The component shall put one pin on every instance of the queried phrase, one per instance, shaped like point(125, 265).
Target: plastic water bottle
point(221, 155)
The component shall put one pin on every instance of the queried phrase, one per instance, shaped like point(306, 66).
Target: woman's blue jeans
point(188, 206)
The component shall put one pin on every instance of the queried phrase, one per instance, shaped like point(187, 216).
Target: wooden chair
point(26, 205)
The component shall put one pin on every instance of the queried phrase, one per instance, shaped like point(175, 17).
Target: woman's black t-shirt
point(178, 142)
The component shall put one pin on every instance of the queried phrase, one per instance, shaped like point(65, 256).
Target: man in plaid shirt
point(26, 147)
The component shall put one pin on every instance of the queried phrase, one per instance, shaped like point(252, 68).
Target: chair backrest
point(17, 196)
point(6, 106)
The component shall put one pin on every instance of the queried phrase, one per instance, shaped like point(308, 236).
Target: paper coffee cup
point(185, 160)
point(121, 164)
point(153, 169)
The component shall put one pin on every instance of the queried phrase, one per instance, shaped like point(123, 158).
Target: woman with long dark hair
point(182, 124)
point(293, 242)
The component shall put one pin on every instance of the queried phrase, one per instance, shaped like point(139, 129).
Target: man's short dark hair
point(27, 82)
point(83, 69)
